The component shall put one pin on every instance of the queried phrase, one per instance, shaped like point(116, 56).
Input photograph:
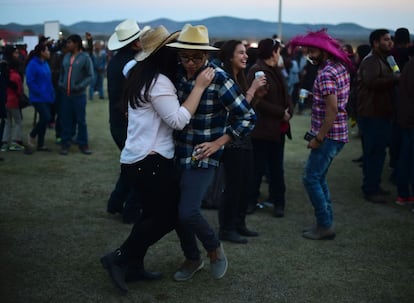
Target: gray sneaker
point(218, 262)
point(188, 269)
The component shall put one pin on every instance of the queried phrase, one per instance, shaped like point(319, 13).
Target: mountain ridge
point(220, 27)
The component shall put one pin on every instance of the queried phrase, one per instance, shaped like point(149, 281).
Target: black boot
point(279, 211)
point(244, 231)
point(115, 265)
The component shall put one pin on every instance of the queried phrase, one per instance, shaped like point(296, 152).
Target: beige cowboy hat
point(193, 37)
point(125, 32)
point(153, 39)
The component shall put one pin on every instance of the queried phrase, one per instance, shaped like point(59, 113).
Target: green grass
point(54, 228)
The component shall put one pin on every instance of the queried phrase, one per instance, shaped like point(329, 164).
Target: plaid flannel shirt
point(332, 79)
point(221, 99)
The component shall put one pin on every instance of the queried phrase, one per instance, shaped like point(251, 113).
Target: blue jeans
point(97, 85)
point(405, 172)
point(193, 187)
point(72, 113)
point(377, 134)
point(45, 116)
point(58, 124)
point(315, 182)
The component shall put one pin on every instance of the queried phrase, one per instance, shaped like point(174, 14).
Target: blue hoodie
point(39, 81)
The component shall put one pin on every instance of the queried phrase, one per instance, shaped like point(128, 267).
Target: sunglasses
point(195, 59)
point(276, 44)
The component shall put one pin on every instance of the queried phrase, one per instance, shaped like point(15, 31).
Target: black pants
point(269, 155)
point(154, 179)
point(238, 171)
point(123, 193)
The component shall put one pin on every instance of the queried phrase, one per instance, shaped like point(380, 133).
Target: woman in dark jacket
point(273, 112)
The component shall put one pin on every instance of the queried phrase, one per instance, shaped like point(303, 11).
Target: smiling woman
point(238, 154)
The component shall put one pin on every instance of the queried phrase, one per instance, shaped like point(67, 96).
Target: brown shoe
point(320, 233)
point(84, 149)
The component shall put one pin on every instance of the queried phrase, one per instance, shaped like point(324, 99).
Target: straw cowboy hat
point(320, 39)
point(125, 32)
point(152, 40)
point(193, 37)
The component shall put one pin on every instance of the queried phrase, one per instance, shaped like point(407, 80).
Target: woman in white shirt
point(147, 158)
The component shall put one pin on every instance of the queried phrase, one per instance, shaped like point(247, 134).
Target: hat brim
point(192, 46)
point(114, 43)
point(322, 44)
point(142, 55)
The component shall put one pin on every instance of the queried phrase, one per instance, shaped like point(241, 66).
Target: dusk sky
point(368, 13)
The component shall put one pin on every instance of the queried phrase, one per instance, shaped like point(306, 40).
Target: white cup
point(259, 74)
point(303, 93)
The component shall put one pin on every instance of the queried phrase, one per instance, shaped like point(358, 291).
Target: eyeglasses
point(195, 59)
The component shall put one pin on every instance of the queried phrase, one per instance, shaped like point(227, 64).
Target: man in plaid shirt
point(221, 99)
point(329, 124)
point(200, 144)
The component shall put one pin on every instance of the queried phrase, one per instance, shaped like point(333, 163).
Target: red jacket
point(13, 95)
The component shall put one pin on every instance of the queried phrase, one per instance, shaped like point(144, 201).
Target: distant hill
point(219, 28)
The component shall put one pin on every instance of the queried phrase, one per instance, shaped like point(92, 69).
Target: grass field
point(54, 228)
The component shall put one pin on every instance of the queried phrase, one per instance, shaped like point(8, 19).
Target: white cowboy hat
point(125, 32)
point(152, 40)
point(193, 37)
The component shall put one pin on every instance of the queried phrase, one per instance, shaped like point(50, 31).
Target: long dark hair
point(267, 47)
point(142, 75)
point(225, 56)
point(36, 52)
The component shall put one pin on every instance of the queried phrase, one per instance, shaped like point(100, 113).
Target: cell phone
point(309, 135)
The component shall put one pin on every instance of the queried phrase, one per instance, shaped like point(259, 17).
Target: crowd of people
point(57, 75)
point(240, 122)
point(180, 109)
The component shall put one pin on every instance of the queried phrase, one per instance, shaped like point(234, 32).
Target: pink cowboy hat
point(320, 39)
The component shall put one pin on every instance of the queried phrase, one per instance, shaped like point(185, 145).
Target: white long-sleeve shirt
point(150, 126)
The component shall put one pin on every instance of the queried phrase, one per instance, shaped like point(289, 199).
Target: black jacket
point(115, 82)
